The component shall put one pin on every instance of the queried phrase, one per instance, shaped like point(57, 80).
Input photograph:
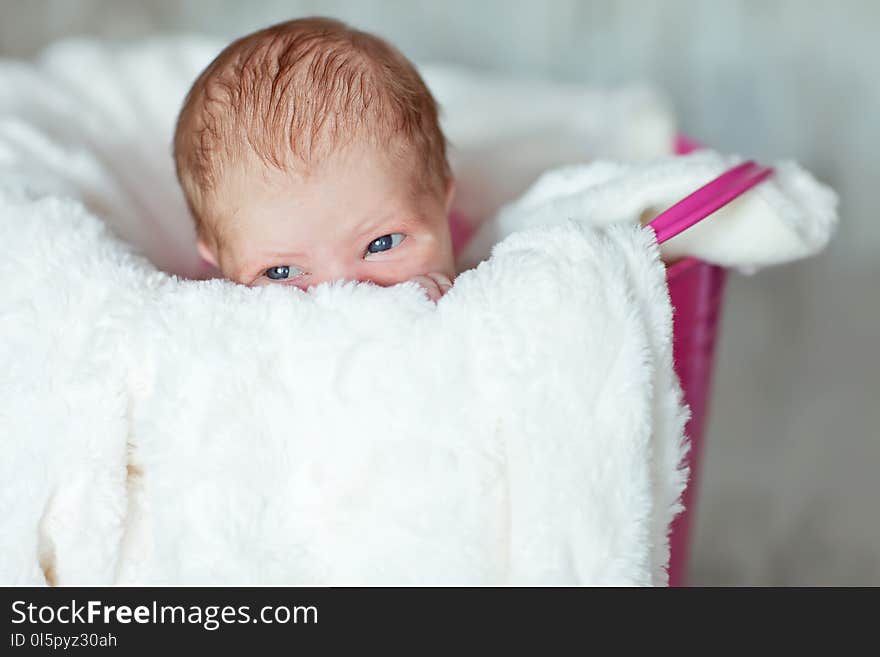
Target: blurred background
point(790, 493)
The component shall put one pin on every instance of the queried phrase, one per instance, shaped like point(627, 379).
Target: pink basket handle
point(707, 199)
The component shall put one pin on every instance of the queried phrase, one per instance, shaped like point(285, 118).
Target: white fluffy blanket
point(154, 429)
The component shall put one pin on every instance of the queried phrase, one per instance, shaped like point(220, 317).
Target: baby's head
point(311, 152)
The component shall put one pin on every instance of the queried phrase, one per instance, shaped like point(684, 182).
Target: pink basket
point(696, 291)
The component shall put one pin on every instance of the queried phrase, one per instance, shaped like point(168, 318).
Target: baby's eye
point(282, 272)
point(385, 242)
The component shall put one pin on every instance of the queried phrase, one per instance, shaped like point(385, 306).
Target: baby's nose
point(335, 270)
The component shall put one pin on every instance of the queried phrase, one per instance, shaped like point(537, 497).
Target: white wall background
point(790, 489)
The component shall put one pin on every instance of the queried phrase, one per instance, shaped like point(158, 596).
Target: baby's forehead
point(355, 185)
point(356, 167)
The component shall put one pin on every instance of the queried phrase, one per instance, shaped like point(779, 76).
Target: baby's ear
point(450, 193)
point(206, 252)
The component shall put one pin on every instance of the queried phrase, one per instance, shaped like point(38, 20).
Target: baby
point(312, 152)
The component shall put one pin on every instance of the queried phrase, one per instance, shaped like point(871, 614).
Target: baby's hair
point(293, 93)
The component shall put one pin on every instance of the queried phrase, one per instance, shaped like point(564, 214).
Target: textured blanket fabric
point(165, 431)
point(528, 428)
point(790, 216)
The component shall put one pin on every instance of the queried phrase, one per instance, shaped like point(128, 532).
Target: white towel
point(354, 434)
point(787, 217)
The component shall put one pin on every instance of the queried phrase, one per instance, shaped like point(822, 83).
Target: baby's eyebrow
point(400, 220)
point(369, 226)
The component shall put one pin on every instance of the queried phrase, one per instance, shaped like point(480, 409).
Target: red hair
point(292, 93)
